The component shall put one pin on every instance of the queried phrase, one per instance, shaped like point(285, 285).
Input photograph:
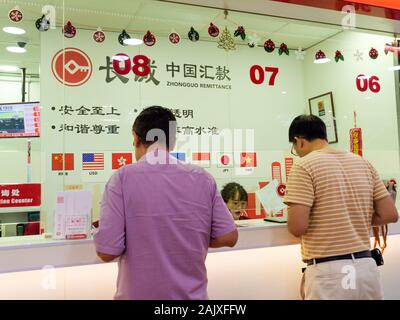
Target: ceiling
point(141, 15)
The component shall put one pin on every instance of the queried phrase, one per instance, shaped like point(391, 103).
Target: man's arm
point(110, 236)
point(300, 198)
point(223, 229)
point(385, 211)
point(226, 240)
point(298, 217)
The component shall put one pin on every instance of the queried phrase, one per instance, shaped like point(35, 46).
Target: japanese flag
point(225, 160)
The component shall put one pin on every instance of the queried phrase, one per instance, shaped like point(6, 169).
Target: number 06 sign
point(365, 83)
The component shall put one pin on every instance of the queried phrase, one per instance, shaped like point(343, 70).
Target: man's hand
point(392, 186)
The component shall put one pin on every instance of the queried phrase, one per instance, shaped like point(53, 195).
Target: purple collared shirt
point(160, 219)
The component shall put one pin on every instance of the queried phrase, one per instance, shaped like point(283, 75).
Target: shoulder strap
point(377, 241)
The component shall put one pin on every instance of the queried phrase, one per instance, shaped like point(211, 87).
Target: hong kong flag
point(121, 159)
point(62, 161)
point(248, 160)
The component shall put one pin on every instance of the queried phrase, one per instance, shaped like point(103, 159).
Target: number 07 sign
point(258, 74)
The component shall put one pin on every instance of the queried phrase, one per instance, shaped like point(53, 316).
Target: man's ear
point(136, 140)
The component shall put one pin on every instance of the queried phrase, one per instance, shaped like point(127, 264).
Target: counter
point(265, 264)
point(34, 252)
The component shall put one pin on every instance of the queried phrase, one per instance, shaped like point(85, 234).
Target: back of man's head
point(309, 127)
point(156, 124)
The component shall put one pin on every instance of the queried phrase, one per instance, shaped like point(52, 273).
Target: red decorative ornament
point(240, 32)
point(99, 36)
point(149, 39)
point(339, 56)
point(283, 49)
point(373, 53)
point(69, 30)
point(320, 55)
point(213, 30)
point(15, 15)
point(269, 46)
point(174, 38)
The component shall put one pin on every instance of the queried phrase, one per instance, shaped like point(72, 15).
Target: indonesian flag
point(248, 160)
point(121, 159)
point(62, 161)
point(202, 159)
point(225, 160)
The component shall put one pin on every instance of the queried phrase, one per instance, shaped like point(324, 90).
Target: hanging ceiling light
point(6, 68)
point(19, 48)
point(14, 30)
point(16, 49)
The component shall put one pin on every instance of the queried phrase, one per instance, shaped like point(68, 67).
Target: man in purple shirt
point(160, 216)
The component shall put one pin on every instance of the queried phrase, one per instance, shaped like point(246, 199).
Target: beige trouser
point(357, 279)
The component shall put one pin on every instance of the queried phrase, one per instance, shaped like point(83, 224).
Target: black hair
point(156, 117)
point(309, 127)
point(231, 189)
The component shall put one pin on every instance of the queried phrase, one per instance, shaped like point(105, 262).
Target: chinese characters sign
point(20, 195)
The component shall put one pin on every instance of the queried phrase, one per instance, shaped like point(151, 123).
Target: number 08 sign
point(140, 64)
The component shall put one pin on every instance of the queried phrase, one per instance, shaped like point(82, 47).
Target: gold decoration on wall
point(226, 41)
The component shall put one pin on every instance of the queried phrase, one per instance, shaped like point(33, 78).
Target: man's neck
point(157, 147)
point(319, 144)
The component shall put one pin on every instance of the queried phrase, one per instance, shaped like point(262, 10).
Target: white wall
point(376, 112)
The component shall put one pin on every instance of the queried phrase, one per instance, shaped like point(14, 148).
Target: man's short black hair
point(156, 117)
point(230, 190)
point(309, 127)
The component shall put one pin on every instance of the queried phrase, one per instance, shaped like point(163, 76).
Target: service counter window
point(77, 75)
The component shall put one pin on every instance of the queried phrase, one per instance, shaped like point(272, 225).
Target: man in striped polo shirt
point(334, 198)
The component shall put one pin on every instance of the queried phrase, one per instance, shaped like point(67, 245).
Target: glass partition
point(234, 80)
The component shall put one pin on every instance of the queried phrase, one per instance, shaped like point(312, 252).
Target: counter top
point(36, 252)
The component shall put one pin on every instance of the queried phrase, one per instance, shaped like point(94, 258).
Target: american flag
point(93, 161)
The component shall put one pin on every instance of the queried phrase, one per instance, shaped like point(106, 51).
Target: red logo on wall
point(281, 189)
point(71, 67)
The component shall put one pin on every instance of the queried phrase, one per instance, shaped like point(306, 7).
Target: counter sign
point(20, 195)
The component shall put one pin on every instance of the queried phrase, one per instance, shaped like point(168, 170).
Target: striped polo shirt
point(340, 188)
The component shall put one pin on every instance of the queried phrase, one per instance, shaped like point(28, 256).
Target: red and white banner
point(288, 166)
point(20, 195)
point(356, 141)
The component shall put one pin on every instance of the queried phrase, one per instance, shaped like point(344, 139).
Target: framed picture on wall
point(322, 106)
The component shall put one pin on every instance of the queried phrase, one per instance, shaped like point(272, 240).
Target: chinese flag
point(248, 160)
point(61, 161)
point(121, 159)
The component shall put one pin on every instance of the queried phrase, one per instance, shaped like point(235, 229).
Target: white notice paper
point(73, 215)
point(270, 198)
